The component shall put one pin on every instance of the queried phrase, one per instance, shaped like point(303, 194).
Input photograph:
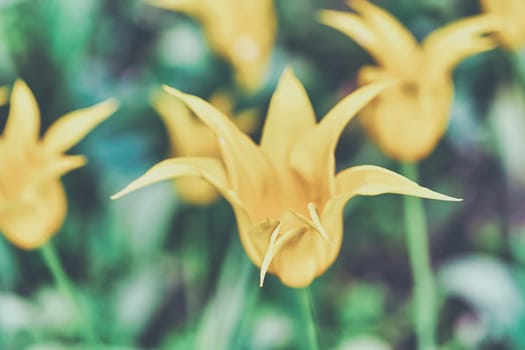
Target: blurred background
point(154, 272)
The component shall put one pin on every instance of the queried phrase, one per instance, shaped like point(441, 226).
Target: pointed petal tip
point(288, 73)
point(119, 194)
point(112, 104)
point(175, 92)
point(171, 90)
point(19, 83)
point(107, 107)
point(325, 16)
point(451, 199)
point(430, 194)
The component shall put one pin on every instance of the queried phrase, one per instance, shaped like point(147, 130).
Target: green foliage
point(152, 272)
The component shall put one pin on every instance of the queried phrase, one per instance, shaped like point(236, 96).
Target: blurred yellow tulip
point(32, 199)
point(286, 197)
point(189, 137)
point(4, 95)
point(408, 120)
point(241, 31)
point(512, 28)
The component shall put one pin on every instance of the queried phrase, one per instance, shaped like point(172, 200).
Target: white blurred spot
point(246, 48)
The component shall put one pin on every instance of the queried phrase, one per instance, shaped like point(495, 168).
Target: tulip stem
point(517, 69)
point(424, 307)
point(304, 297)
point(62, 281)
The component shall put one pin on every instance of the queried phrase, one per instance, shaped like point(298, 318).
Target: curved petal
point(290, 114)
point(511, 33)
point(210, 169)
point(277, 243)
point(356, 28)
point(447, 46)
point(399, 49)
point(332, 221)
point(249, 171)
point(366, 180)
point(313, 154)
point(369, 180)
point(61, 166)
point(184, 131)
point(4, 95)
point(23, 123)
point(69, 129)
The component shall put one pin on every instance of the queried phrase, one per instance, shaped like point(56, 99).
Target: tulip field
point(262, 174)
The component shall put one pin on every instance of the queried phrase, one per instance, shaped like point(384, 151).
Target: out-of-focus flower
point(32, 199)
point(4, 95)
point(241, 31)
point(408, 120)
point(286, 197)
point(189, 137)
point(511, 33)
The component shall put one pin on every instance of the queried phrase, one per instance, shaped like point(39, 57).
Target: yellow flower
point(408, 120)
point(190, 137)
point(512, 27)
point(3, 95)
point(32, 199)
point(241, 31)
point(286, 197)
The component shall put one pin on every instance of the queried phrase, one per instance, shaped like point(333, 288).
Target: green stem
point(308, 317)
point(53, 263)
point(424, 307)
point(517, 69)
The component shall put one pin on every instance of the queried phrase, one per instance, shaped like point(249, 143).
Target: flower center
point(278, 240)
point(410, 88)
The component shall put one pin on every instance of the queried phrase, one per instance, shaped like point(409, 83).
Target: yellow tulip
point(408, 120)
point(190, 137)
point(240, 31)
point(32, 198)
point(512, 14)
point(4, 95)
point(286, 197)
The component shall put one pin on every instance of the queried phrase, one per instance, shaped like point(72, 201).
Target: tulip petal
point(249, 171)
point(276, 244)
point(23, 123)
point(369, 180)
point(4, 95)
point(356, 28)
point(68, 130)
point(270, 254)
point(390, 29)
point(382, 35)
point(332, 221)
point(313, 155)
point(183, 129)
point(290, 114)
point(447, 46)
point(61, 166)
point(210, 169)
point(255, 237)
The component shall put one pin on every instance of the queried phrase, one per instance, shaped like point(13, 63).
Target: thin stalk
point(62, 281)
point(517, 69)
point(424, 307)
point(308, 318)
